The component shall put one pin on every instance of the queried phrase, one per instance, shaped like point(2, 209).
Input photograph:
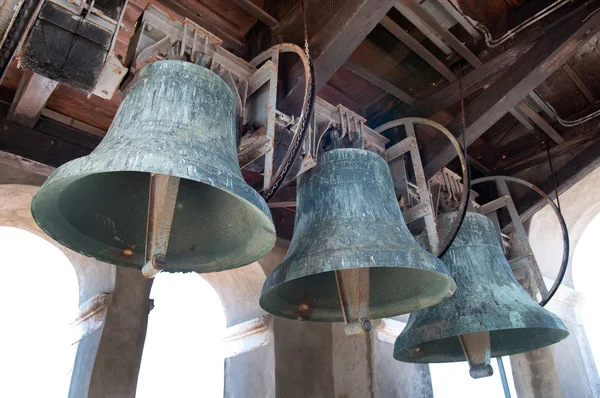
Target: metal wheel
point(526, 257)
point(425, 209)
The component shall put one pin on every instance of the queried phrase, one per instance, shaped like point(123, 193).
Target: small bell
point(490, 315)
point(352, 257)
point(163, 190)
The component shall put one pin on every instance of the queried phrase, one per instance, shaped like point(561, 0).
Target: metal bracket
point(161, 207)
point(353, 288)
point(476, 347)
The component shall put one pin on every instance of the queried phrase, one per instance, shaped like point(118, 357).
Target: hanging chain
point(302, 125)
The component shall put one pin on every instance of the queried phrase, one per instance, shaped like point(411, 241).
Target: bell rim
point(270, 302)
point(260, 208)
point(552, 325)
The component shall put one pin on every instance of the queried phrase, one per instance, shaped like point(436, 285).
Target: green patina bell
point(178, 122)
point(490, 315)
point(352, 256)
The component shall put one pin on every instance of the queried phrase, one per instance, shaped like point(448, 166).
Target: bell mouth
point(393, 291)
point(502, 342)
point(104, 215)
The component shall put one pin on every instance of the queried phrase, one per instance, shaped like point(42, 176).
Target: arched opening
point(183, 355)
point(452, 379)
point(40, 297)
point(586, 274)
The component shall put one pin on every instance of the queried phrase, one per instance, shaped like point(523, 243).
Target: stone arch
point(93, 277)
point(579, 205)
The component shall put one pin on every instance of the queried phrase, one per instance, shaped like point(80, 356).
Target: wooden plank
point(472, 82)
point(521, 119)
point(540, 122)
point(419, 23)
point(410, 6)
point(415, 46)
point(570, 174)
point(209, 20)
point(332, 46)
point(580, 85)
point(552, 51)
point(460, 18)
point(379, 82)
point(257, 12)
point(32, 95)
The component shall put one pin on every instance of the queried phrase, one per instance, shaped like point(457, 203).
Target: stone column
point(120, 342)
point(565, 369)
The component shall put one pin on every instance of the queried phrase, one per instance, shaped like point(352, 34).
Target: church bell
point(490, 315)
point(352, 256)
point(164, 188)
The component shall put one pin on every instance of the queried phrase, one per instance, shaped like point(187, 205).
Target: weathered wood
point(580, 85)
point(456, 14)
point(257, 12)
point(418, 48)
point(567, 176)
point(521, 119)
point(51, 143)
point(379, 82)
point(472, 82)
point(411, 6)
point(208, 19)
point(413, 17)
point(32, 95)
point(540, 122)
point(332, 46)
point(544, 58)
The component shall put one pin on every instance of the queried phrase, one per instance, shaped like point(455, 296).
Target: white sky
point(586, 274)
point(40, 296)
point(183, 355)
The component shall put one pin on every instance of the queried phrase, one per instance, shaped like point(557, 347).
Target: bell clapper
point(476, 347)
point(161, 207)
point(353, 288)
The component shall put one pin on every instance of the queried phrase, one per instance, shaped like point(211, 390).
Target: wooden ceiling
point(387, 59)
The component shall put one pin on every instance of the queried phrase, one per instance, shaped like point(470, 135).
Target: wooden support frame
point(408, 7)
point(379, 82)
point(418, 48)
point(540, 122)
point(257, 12)
point(552, 51)
point(30, 99)
point(332, 47)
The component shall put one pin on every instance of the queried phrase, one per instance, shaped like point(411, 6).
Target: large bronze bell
point(166, 175)
point(490, 315)
point(352, 257)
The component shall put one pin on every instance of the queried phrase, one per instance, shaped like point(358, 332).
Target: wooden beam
point(540, 122)
point(472, 82)
point(408, 7)
point(552, 51)
point(521, 119)
point(32, 95)
point(460, 18)
point(567, 176)
point(379, 82)
point(333, 44)
point(208, 19)
point(418, 48)
point(580, 85)
point(414, 18)
point(257, 12)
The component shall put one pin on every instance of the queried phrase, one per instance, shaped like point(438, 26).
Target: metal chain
point(302, 126)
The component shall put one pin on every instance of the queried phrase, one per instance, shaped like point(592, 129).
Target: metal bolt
point(127, 252)
point(366, 325)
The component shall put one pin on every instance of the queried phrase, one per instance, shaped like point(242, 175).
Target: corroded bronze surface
point(488, 298)
point(348, 218)
point(178, 119)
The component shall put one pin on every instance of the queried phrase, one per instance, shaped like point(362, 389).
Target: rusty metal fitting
point(154, 266)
